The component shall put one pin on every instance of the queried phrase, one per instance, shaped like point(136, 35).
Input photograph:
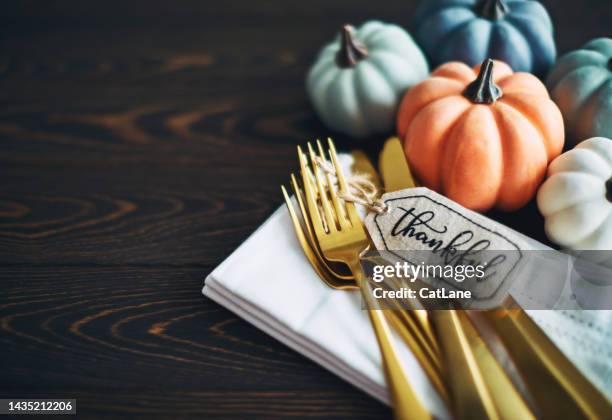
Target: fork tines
point(324, 186)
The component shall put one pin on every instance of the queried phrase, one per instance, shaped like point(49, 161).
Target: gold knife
point(476, 372)
point(396, 176)
point(556, 385)
point(393, 167)
point(409, 327)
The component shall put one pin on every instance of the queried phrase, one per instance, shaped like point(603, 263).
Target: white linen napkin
point(269, 282)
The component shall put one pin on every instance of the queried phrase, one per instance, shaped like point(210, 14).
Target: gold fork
point(402, 322)
point(428, 355)
point(342, 238)
point(416, 318)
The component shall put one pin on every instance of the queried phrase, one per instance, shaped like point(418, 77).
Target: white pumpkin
point(358, 80)
point(576, 199)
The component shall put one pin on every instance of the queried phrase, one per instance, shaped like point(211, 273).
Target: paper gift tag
point(445, 233)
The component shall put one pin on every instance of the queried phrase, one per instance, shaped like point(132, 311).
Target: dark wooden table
point(140, 143)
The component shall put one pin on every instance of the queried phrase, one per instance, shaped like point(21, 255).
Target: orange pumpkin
point(483, 137)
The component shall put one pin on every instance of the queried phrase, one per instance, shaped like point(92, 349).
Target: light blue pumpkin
point(581, 85)
point(518, 32)
point(358, 80)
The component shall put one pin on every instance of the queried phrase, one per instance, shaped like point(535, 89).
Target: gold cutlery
point(494, 388)
point(322, 268)
point(560, 390)
point(341, 237)
point(478, 383)
point(393, 168)
point(402, 323)
point(511, 400)
point(406, 326)
point(396, 176)
point(413, 323)
point(362, 165)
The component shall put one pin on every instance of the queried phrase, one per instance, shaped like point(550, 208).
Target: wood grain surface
point(140, 143)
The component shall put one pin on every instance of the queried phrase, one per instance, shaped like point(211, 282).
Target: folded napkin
point(269, 282)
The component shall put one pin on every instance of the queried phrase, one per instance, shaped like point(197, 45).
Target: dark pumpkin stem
point(609, 190)
point(351, 50)
point(483, 90)
point(492, 9)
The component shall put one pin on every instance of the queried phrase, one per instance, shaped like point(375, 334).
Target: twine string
point(361, 190)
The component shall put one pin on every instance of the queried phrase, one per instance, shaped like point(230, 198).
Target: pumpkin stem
point(609, 190)
point(351, 50)
point(483, 90)
point(492, 9)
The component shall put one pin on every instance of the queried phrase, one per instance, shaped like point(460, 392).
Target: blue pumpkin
point(518, 32)
point(581, 85)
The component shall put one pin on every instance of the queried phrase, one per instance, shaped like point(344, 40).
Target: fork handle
point(406, 403)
